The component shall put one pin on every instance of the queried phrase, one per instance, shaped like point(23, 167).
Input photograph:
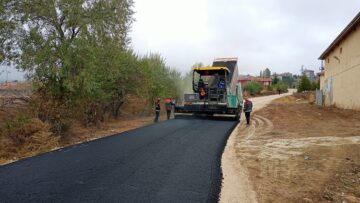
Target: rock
point(350, 199)
point(307, 200)
point(306, 157)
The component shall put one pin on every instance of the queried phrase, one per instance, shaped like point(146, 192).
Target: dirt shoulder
point(295, 151)
point(41, 140)
point(23, 136)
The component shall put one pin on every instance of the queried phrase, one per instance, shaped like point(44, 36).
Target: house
point(264, 81)
point(340, 83)
point(243, 79)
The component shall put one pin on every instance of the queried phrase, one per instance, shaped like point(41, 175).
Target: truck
point(216, 91)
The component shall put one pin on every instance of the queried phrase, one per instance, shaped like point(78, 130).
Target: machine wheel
point(238, 114)
point(237, 117)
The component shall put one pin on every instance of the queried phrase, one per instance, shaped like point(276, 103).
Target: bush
point(20, 128)
point(280, 86)
point(23, 136)
point(315, 85)
point(253, 88)
point(305, 84)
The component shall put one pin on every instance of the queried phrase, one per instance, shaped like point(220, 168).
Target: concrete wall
point(322, 80)
point(341, 84)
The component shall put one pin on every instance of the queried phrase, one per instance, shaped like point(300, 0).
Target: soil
point(295, 151)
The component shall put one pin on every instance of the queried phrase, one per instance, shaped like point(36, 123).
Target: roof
point(211, 68)
point(352, 25)
point(245, 79)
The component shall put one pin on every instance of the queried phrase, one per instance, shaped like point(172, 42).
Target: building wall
point(341, 84)
point(322, 80)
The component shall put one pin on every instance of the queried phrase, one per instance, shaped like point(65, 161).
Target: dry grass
point(300, 152)
point(22, 135)
point(25, 137)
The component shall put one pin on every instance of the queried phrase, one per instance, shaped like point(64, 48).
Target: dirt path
point(236, 185)
point(294, 151)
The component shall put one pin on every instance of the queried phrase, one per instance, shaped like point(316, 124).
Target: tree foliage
point(253, 87)
point(76, 52)
point(280, 86)
point(275, 80)
point(289, 80)
point(315, 85)
point(305, 84)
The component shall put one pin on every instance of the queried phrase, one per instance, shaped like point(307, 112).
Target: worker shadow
point(216, 117)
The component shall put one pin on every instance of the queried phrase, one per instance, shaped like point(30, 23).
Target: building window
point(340, 50)
point(328, 60)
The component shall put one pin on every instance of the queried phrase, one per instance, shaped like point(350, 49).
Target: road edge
point(236, 186)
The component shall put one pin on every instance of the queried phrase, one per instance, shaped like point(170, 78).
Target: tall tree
point(275, 80)
point(305, 84)
point(47, 37)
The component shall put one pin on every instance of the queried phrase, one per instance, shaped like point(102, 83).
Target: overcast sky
point(279, 34)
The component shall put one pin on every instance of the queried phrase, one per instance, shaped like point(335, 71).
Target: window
point(340, 50)
point(328, 60)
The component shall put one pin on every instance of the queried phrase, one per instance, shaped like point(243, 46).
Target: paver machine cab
point(215, 90)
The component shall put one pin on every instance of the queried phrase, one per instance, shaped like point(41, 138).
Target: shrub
point(253, 88)
point(280, 86)
point(305, 84)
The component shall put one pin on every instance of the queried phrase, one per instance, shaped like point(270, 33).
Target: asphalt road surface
point(172, 161)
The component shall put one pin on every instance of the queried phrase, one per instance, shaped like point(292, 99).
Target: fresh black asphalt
point(171, 161)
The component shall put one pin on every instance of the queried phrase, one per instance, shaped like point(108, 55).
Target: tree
point(315, 85)
point(253, 87)
point(305, 84)
point(47, 38)
point(275, 80)
point(289, 80)
point(280, 86)
point(75, 51)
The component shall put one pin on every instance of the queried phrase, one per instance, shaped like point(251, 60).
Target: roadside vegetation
point(306, 85)
point(254, 88)
point(78, 58)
